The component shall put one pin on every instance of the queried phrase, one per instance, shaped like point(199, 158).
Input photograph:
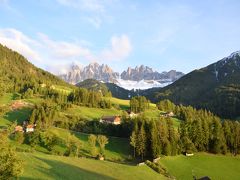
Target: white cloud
point(17, 41)
point(65, 50)
point(95, 21)
point(53, 55)
point(93, 11)
point(120, 48)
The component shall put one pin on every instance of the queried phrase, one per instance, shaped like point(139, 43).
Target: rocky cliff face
point(147, 73)
point(92, 71)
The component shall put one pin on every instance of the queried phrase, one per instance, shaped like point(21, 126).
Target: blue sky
point(175, 34)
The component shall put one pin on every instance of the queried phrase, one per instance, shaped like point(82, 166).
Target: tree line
point(199, 130)
point(90, 98)
point(139, 104)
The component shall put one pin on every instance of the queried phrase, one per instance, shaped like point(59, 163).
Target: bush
point(158, 168)
point(57, 151)
point(27, 150)
point(19, 137)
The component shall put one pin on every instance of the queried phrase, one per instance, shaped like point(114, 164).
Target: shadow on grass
point(61, 170)
point(124, 107)
point(19, 115)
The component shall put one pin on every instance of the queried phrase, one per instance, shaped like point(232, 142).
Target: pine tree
point(141, 143)
point(228, 135)
point(32, 117)
point(218, 142)
point(133, 142)
point(155, 141)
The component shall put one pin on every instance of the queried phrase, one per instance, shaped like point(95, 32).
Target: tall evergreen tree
point(141, 143)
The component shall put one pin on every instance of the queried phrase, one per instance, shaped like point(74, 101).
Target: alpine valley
point(119, 90)
point(54, 129)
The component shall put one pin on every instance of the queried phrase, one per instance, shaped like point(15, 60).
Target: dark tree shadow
point(19, 115)
point(61, 170)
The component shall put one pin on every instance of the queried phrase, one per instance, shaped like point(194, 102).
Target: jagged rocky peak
point(92, 71)
point(75, 67)
point(146, 73)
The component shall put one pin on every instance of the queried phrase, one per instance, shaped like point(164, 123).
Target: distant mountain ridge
point(147, 73)
point(127, 79)
point(92, 71)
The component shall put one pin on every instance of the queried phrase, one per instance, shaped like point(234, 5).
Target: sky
point(176, 34)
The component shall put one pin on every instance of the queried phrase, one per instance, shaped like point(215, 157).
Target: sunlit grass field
point(42, 166)
point(7, 98)
point(217, 167)
point(118, 149)
point(92, 113)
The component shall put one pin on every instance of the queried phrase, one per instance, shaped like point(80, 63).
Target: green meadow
point(7, 98)
point(92, 113)
point(19, 115)
point(217, 167)
point(42, 166)
point(118, 149)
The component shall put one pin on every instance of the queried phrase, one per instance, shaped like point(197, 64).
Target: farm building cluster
point(116, 119)
point(26, 128)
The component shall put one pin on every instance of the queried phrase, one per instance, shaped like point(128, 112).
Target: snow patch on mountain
point(233, 55)
point(142, 84)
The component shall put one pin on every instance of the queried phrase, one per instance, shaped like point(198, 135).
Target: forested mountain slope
point(17, 74)
point(215, 87)
point(116, 91)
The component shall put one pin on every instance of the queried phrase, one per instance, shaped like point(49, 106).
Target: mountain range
point(140, 77)
point(215, 87)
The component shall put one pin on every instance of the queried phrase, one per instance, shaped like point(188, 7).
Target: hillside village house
point(30, 128)
point(111, 120)
point(25, 128)
point(167, 114)
point(131, 114)
point(18, 129)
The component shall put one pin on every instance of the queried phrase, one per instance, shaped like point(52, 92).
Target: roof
point(18, 127)
point(30, 126)
point(110, 118)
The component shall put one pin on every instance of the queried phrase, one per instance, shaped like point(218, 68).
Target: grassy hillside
point(118, 149)
point(19, 115)
point(41, 166)
point(92, 113)
point(7, 98)
point(17, 74)
point(202, 164)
